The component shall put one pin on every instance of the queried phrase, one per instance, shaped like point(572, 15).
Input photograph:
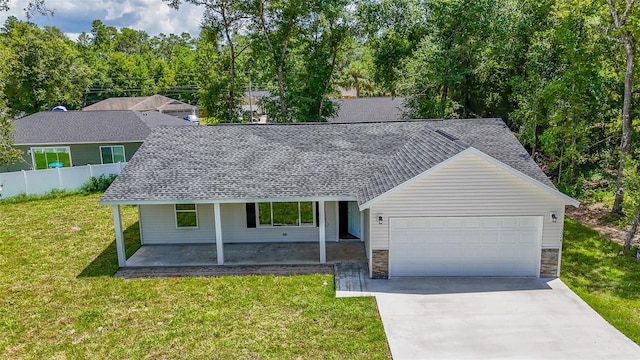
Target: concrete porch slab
point(247, 254)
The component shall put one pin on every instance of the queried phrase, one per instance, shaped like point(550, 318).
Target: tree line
point(559, 72)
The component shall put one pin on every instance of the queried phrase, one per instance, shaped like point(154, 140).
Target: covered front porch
point(300, 253)
point(240, 234)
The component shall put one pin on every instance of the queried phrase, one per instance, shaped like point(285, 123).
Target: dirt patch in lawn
point(592, 215)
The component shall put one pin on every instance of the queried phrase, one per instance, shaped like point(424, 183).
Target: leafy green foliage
point(46, 70)
point(98, 184)
point(8, 154)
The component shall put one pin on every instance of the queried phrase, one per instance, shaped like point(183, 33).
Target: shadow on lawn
point(106, 264)
point(593, 261)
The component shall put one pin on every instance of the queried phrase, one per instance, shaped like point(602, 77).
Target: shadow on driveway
point(453, 285)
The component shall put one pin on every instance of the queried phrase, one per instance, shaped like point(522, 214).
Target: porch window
point(286, 214)
point(51, 157)
point(112, 154)
point(186, 215)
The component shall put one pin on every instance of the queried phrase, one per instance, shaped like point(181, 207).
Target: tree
point(626, 37)
point(8, 154)
point(47, 70)
point(322, 40)
point(33, 7)
point(355, 76)
point(393, 29)
point(274, 25)
point(442, 78)
point(562, 98)
point(228, 18)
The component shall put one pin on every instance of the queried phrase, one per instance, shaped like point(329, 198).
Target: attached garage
point(465, 246)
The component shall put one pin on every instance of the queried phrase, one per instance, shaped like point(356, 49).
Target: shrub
point(98, 184)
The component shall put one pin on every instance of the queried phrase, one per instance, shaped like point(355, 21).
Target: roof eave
point(80, 142)
point(226, 201)
point(471, 150)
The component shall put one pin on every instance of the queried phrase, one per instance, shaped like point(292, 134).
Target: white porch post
point(218, 224)
point(362, 226)
point(322, 233)
point(117, 222)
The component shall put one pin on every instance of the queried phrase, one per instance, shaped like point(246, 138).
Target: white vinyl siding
point(158, 226)
point(469, 186)
point(234, 227)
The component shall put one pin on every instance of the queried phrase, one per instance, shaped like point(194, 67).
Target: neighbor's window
point(51, 157)
point(186, 215)
point(112, 154)
point(286, 214)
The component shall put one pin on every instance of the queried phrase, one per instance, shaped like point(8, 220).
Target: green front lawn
point(609, 283)
point(58, 300)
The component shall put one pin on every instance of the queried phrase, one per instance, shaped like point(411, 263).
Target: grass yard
point(609, 283)
point(59, 301)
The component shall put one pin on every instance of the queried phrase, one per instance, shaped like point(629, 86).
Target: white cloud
point(151, 16)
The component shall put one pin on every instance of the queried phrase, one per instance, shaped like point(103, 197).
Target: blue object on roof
point(56, 164)
point(192, 118)
point(59, 108)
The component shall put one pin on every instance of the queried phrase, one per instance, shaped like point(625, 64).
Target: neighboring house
point(368, 109)
point(252, 106)
point(450, 198)
point(157, 103)
point(72, 138)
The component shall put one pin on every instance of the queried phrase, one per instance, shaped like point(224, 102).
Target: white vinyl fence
point(36, 182)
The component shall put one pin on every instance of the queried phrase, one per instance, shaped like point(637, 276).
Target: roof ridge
point(145, 99)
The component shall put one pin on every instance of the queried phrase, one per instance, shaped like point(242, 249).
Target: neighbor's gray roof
point(141, 103)
point(65, 127)
point(362, 160)
point(371, 109)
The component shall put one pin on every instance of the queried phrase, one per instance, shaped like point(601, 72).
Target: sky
point(75, 16)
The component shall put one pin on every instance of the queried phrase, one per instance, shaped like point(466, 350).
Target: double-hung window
point(186, 215)
point(112, 154)
point(286, 214)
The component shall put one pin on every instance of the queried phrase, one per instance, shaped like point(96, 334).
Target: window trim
point(175, 216)
point(300, 224)
point(33, 155)
point(112, 146)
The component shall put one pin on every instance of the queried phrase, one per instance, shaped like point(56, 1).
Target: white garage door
point(465, 246)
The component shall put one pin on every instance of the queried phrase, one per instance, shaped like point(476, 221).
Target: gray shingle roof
point(371, 109)
point(493, 137)
point(65, 127)
point(140, 103)
point(361, 160)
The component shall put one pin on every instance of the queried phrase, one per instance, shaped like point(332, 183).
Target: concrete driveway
point(492, 318)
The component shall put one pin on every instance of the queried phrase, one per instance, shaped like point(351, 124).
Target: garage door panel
point(465, 246)
point(491, 223)
point(473, 223)
point(489, 236)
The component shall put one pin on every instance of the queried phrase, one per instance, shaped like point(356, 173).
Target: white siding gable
point(468, 186)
